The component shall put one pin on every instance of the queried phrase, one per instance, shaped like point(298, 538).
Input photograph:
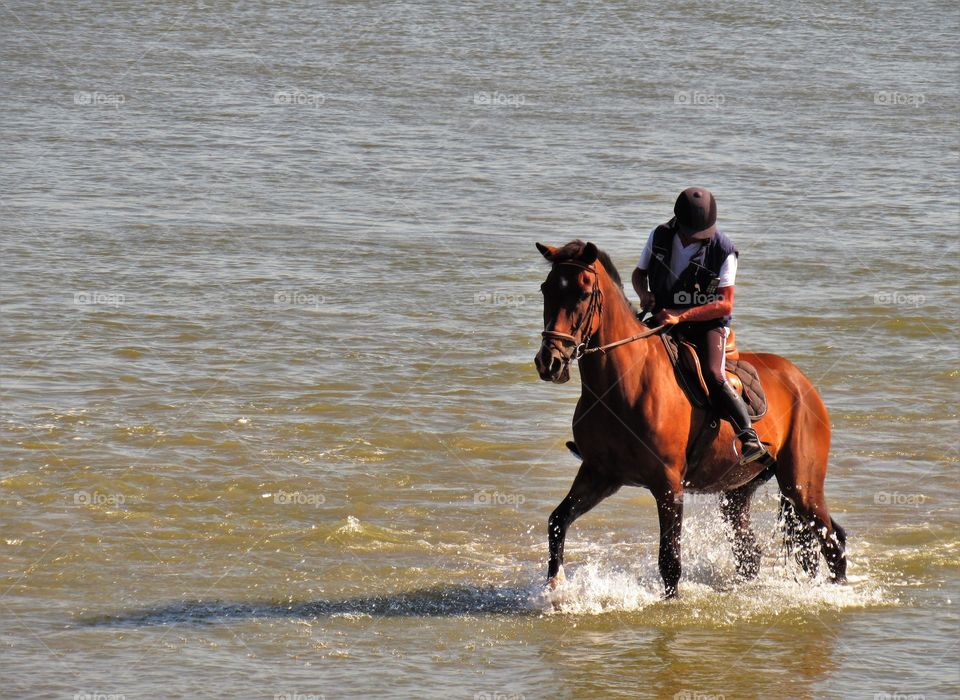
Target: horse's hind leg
point(588, 489)
point(833, 541)
point(807, 519)
point(834, 547)
point(735, 509)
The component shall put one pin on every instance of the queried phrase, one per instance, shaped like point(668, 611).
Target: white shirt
point(681, 257)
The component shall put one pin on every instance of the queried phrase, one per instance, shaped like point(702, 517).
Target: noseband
point(595, 307)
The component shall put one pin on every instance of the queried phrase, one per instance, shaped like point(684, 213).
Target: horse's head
point(572, 302)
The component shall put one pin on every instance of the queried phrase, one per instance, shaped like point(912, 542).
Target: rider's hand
point(647, 301)
point(667, 317)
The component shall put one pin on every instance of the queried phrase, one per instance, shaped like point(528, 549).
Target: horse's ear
point(589, 254)
point(546, 251)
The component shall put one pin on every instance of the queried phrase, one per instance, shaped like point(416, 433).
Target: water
point(270, 420)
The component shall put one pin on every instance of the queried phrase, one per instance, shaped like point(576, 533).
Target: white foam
point(352, 525)
point(594, 587)
point(601, 579)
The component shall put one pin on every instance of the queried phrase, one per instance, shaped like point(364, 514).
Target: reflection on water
point(459, 600)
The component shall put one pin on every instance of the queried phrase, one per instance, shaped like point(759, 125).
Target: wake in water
point(592, 589)
point(601, 578)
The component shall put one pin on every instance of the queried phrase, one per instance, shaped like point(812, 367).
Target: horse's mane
point(574, 249)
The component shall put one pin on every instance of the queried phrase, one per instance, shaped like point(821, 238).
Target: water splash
point(710, 591)
point(594, 588)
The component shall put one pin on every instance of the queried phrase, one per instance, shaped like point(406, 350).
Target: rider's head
point(696, 213)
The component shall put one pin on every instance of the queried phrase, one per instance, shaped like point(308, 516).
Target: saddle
point(740, 373)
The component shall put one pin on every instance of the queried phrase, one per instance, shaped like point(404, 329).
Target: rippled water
point(270, 419)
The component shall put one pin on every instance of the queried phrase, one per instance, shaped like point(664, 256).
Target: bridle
point(594, 308)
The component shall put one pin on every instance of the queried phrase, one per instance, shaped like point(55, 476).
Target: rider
point(686, 274)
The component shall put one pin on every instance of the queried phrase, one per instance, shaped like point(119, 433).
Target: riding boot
point(731, 404)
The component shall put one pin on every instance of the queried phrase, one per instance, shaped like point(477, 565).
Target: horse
point(633, 426)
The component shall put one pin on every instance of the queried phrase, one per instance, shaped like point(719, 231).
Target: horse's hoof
point(555, 593)
point(554, 582)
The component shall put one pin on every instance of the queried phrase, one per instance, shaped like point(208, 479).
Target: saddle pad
point(752, 389)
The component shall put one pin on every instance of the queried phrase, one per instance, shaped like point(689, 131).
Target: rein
point(595, 308)
point(638, 336)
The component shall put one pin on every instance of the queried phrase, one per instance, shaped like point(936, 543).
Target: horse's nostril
point(539, 362)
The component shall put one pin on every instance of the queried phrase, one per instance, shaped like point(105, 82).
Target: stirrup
point(754, 455)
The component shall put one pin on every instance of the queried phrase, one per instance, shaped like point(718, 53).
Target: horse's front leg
point(588, 489)
point(670, 513)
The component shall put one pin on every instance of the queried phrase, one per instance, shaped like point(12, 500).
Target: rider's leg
point(724, 397)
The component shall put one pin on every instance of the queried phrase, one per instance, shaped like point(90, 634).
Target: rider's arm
point(723, 306)
point(639, 280)
point(639, 277)
point(647, 299)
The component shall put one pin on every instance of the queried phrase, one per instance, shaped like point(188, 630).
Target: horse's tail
point(799, 539)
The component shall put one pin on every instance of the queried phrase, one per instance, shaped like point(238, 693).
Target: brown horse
point(633, 426)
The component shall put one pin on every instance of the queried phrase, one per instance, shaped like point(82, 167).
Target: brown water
point(271, 426)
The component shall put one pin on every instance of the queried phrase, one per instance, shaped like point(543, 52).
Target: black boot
point(731, 405)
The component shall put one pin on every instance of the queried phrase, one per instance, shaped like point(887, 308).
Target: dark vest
point(697, 284)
